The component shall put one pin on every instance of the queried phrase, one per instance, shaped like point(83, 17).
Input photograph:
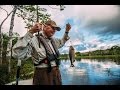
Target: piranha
point(72, 55)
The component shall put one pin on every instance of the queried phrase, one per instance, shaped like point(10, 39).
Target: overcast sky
point(93, 26)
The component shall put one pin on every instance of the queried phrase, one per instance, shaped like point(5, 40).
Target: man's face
point(49, 30)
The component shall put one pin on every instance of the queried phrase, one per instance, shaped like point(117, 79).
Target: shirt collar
point(41, 32)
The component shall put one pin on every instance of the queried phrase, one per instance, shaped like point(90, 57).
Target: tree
point(10, 35)
point(29, 14)
point(1, 42)
point(78, 54)
point(5, 43)
point(115, 50)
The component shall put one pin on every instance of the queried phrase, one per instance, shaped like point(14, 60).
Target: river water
point(87, 72)
point(90, 72)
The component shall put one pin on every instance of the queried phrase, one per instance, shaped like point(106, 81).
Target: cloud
point(64, 50)
point(102, 20)
point(92, 17)
point(74, 42)
point(56, 15)
point(93, 26)
point(102, 17)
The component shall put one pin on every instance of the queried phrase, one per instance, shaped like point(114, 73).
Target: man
point(43, 49)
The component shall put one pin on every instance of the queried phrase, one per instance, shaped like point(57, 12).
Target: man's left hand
point(68, 27)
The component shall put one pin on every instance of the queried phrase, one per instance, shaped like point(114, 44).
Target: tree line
point(113, 51)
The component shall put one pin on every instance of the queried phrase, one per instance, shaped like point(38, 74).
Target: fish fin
point(72, 65)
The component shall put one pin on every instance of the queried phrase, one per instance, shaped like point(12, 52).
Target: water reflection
point(90, 72)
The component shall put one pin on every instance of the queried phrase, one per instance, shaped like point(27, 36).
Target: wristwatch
point(68, 38)
point(66, 32)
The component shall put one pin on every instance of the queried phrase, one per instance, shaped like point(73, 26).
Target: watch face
point(68, 37)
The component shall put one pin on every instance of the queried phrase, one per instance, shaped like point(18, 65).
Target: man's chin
point(51, 34)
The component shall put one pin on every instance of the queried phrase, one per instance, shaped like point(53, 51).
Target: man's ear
point(43, 26)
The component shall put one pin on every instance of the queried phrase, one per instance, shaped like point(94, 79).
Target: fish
point(72, 55)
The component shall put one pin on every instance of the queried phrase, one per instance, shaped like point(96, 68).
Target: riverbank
point(22, 82)
point(100, 56)
point(94, 57)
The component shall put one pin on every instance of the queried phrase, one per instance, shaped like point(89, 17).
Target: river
point(87, 72)
point(90, 72)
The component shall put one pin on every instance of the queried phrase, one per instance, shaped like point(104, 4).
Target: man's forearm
point(23, 41)
point(66, 37)
point(21, 44)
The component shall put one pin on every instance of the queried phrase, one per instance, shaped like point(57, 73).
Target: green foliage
point(64, 56)
point(3, 74)
point(114, 50)
point(5, 42)
point(29, 14)
point(78, 54)
point(14, 41)
point(27, 69)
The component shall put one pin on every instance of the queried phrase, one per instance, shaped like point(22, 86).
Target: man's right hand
point(37, 27)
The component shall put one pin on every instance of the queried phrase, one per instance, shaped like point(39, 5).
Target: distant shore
point(95, 57)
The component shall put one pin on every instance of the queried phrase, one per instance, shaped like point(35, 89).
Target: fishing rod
point(37, 21)
point(19, 61)
point(18, 71)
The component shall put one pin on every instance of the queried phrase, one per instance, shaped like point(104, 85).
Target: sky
point(93, 27)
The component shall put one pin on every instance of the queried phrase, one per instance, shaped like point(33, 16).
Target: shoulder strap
point(50, 55)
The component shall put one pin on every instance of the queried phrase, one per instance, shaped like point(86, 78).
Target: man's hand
point(68, 27)
point(37, 27)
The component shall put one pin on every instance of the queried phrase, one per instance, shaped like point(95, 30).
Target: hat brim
point(57, 28)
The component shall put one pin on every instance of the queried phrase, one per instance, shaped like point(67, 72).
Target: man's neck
point(45, 36)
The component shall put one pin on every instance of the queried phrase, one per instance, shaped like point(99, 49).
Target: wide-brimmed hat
point(53, 24)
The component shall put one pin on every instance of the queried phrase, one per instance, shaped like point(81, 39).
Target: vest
point(51, 56)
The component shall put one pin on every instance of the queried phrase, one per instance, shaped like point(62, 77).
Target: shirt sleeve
point(60, 42)
point(22, 49)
